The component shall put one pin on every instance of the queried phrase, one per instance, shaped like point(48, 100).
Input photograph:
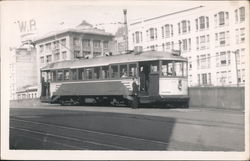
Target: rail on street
point(53, 127)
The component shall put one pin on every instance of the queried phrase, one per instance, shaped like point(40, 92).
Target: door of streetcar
point(149, 77)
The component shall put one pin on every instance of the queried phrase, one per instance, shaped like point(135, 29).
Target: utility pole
point(236, 66)
point(126, 29)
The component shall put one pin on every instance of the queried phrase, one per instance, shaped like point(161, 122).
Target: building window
point(41, 47)
point(76, 42)
point(202, 22)
point(48, 47)
point(242, 14)
point(57, 56)
point(242, 35)
point(184, 26)
point(223, 58)
point(105, 44)
point(152, 33)
point(184, 45)
point(85, 43)
point(236, 15)
point(221, 18)
point(56, 45)
point(168, 46)
point(97, 44)
point(49, 58)
point(63, 42)
point(137, 37)
point(203, 61)
point(202, 42)
point(42, 59)
point(64, 55)
point(222, 39)
point(77, 54)
point(197, 43)
point(204, 79)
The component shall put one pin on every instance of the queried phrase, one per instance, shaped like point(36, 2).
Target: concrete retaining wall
point(217, 97)
point(25, 102)
point(208, 97)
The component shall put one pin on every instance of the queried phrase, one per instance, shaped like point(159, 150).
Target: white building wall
point(211, 49)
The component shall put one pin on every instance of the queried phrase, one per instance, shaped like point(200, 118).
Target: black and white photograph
point(124, 80)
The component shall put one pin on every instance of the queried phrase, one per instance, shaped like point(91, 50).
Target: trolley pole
point(126, 29)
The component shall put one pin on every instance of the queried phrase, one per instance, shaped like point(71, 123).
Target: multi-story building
point(214, 39)
point(81, 42)
point(23, 71)
point(120, 41)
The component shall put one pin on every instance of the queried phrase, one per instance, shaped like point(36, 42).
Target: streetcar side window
point(81, 74)
point(66, 74)
point(114, 71)
point(96, 73)
point(132, 70)
point(74, 74)
point(167, 68)
point(105, 72)
point(89, 73)
point(123, 71)
point(59, 75)
point(53, 73)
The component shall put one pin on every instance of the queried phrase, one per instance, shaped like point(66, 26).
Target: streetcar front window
point(174, 68)
point(167, 68)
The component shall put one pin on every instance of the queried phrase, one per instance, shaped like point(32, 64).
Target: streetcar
point(161, 77)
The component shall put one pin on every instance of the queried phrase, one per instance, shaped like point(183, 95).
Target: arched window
point(221, 19)
point(184, 26)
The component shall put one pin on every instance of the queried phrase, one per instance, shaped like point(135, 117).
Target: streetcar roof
point(115, 59)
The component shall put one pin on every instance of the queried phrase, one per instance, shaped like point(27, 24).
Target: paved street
point(123, 128)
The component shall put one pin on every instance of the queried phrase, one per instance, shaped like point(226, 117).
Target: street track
point(64, 137)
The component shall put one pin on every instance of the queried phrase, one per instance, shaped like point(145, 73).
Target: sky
point(49, 15)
